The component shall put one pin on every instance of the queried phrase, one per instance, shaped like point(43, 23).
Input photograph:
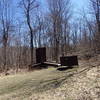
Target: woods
point(25, 25)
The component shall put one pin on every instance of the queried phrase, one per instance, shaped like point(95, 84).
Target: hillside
point(80, 83)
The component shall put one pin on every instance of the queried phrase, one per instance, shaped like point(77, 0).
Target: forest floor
point(79, 83)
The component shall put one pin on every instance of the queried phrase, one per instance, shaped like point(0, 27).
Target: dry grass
point(50, 84)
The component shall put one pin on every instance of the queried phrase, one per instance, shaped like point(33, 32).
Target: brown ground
point(80, 83)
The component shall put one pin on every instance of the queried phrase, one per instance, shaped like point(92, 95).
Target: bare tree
point(75, 35)
point(6, 25)
point(95, 6)
point(59, 14)
point(28, 7)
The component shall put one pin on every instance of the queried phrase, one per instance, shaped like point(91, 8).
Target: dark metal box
point(69, 60)
point(40, 55)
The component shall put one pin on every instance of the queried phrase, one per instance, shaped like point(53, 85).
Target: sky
point(78, 5)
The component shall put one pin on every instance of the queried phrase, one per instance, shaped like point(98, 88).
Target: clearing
point(50, 84)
